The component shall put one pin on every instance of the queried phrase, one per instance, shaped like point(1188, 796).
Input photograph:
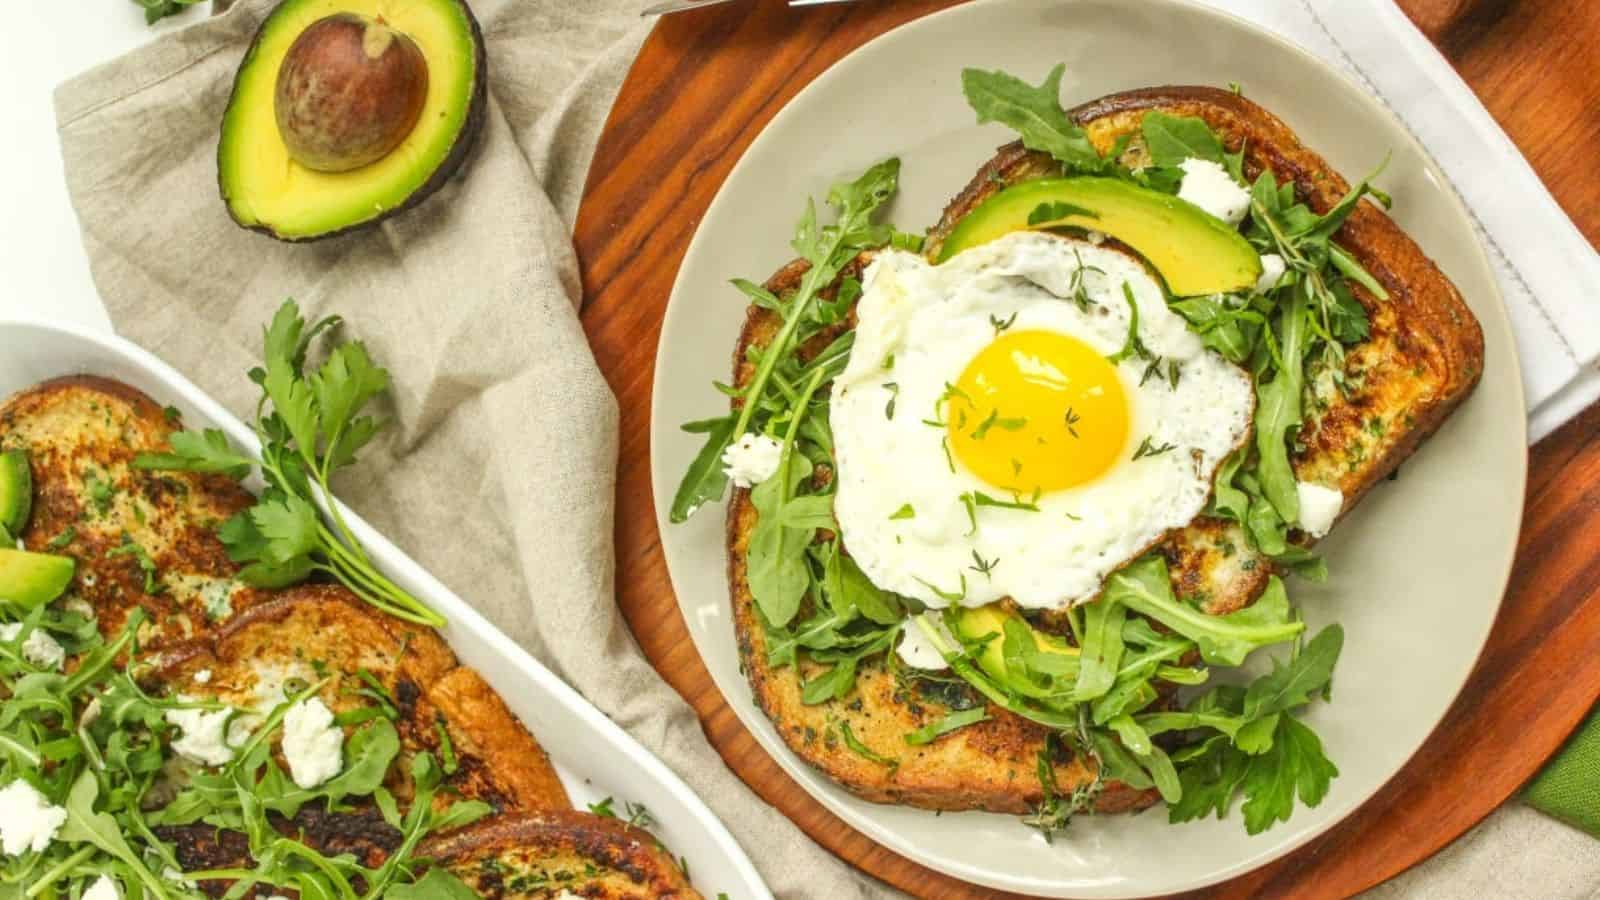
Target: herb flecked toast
point(1421, 356)
point(145, 544)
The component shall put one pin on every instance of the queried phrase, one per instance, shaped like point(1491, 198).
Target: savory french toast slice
point(147, 540)
point(142, 539)
point(1422, 357)
point(323, 633)
point(557, 854)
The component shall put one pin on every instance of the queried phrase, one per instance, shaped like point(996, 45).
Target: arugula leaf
point(776, 564)
point(1278, 412)
point(1173, 139)
point(1035, 113)
point(955, 721)
point(1231, 331)
point(849, 591)
point(437, 884)
point(1150, 758)
point(1102, 648)
point(1292, 685)
point(87, 826)
point(863, 751)
point(1209, 782)
point(1144, 587)
point(706, 480)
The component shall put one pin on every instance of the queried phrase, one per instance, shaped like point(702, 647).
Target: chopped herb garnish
point(894, 394)
point(1146, 448)
point(984, 567)
point(863, 751)
point(1072, 419)
point(1000, 324)
point(100, 491)
point(63, 539)
point(995, 421)
point(904, 512)
point(147, 565)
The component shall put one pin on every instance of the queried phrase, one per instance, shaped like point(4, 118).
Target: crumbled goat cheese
point(27, 820)
point(311, 742)
point(752, 459)
point(1272, 269)
point(40, 648)
point(917, 651)
point(1319, 506)
point(205, 737)
point(1209, 186)
point(202, 677)
point(103, 889)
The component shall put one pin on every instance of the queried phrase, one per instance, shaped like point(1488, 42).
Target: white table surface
point(42, 44)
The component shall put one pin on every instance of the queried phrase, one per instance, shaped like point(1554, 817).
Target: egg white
point(919, 325)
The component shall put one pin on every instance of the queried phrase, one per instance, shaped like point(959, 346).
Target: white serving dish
point(594, 757)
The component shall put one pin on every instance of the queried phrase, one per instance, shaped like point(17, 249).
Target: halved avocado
point(33, 579)
point(1195, 253)
point(16, 491)
point(293, 196)
point(974, 623)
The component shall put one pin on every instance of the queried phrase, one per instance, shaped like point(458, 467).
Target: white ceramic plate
point(593, 756)
point(1418, 568)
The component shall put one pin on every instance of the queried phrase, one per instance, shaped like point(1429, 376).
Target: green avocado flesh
point(974, 624)
point(267, 190)
point(16, 491)
point(33, 579)
point(1194, 252)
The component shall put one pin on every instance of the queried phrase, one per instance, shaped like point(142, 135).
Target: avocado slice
point(1194, 252)
point(268, 189)
point(33, 579)
point(16, 492)
point(973, 624)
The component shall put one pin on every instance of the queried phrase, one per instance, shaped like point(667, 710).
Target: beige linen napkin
point(498, 474)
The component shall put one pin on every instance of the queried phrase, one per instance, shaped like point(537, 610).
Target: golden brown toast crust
point(1425, 354)
point(539, 855)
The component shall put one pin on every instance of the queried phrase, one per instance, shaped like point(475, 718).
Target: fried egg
point(1022, 420)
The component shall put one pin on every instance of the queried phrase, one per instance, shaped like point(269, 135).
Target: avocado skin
point(468, 139)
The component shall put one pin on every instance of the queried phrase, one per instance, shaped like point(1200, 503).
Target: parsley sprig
point(310, 424)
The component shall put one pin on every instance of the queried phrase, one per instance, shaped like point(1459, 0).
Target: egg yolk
point(1037, 411)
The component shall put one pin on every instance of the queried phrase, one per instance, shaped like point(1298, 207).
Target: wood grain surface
point(706, 83)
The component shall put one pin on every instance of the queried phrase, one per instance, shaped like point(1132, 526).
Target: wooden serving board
point(706, 83)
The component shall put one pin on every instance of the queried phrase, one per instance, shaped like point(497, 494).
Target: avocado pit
point(348, 92)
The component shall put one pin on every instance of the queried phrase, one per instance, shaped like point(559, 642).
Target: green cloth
point(1569, 787)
